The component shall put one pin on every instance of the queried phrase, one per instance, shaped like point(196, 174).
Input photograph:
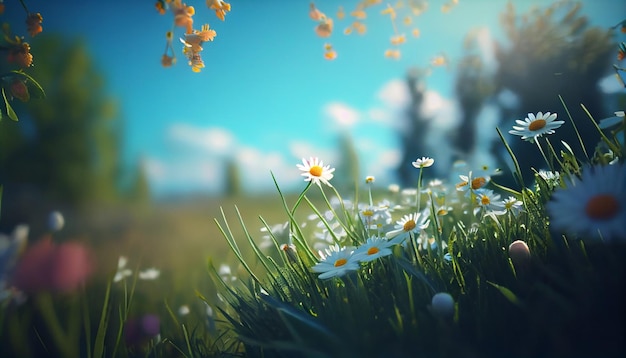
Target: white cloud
point(257, 167)
point(213, 139)
point(443, 112)
point(342, 114)
point(384, 165)
point(395, 94)
point(184, 175)
point(379, 115)
point(300, 149)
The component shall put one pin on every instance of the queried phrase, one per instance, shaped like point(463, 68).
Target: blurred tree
point(66, 148)
point(474, 85)
point(347, 171)
point(413, 137)
point(547, 52)
point(232, 181)
point(550, 52)
point(139, 191)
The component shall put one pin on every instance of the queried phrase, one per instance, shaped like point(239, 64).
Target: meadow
point(523, 260)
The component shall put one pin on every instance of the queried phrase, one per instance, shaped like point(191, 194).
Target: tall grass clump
point(462, 269)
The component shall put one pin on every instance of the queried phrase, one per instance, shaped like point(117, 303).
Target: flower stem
point(419, 190)
point(24, 6)
point(554, 153)
point(580, 140)
point(543, 154)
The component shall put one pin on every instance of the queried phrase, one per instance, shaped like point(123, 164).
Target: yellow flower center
point(537, 124)
point(478, 183)
point(409, 225)
point(340, 262)
point(602, 207)
point(373, 250)
point(316, 171)
point(485, 200)
point(368, 213)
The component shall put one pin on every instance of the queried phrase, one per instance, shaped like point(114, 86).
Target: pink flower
point(46, 266)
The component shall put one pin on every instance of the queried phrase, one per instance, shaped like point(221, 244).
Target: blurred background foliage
point(547, 52)
point(65, 151)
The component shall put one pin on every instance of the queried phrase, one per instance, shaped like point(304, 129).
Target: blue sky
point(267, 97)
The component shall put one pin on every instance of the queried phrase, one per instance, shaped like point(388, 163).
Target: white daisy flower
point(315, 171)
point(149, 274)
point(411, 223)
point(512, 205)
point(612, 121)
point(11, 248)
point(535, 126)
point(280, 232)
point(489, 203)
point(470, 183)
point(373, 248)
point(336, 262)
point(423, 162)
point(592, 206)
point(122, 271)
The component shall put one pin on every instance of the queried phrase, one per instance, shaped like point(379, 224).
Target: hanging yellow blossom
point(392, 53)
point(398, 39)
point(340, 13)
point(220, 7)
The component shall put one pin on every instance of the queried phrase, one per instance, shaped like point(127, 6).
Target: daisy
point(612, 121)
point(149, 274)
point(535, 126)
point(315, 171)
point(11, 246)
point(489, 202)
point(336, 262)
point(594, 205)
point(470, 183)
point(122, 271)
point(423, 162)
point(280, 232)
point(512, 205)
point(373, 248)
point(411, 223)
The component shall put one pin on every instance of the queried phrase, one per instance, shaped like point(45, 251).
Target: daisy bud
point(55, 221)
point(183, 310)
point(519, 254)
point(442, 305)
point(290, 252)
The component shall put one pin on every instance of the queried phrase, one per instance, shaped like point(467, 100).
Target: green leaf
point(507, 293)
point(10, 111)
point(98, 347)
